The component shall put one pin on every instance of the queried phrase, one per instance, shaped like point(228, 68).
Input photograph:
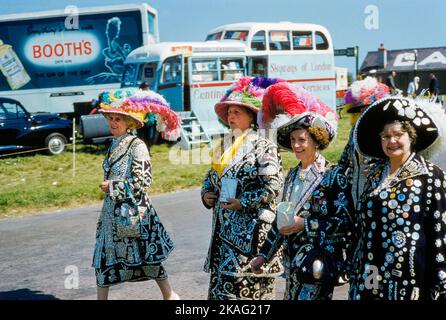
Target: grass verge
point(35, 183)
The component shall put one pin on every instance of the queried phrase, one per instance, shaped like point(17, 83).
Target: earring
point(128, 130)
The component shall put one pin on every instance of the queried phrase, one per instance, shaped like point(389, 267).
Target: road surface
point(48, 256)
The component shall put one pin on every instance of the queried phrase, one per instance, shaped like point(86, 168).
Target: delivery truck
point(59, 61)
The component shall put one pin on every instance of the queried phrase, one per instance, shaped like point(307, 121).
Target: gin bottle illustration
point(12, 67)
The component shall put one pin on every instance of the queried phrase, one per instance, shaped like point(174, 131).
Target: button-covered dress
point(402, 234)
point(323, 199)
point(237, 235)
point(116, 258)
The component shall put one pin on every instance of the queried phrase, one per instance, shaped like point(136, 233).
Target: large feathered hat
point(247, 92)
point(363, 93)
point(139, 105)
point(287, 107)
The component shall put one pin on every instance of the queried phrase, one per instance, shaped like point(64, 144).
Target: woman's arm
point(436, 232)
point(208, 191)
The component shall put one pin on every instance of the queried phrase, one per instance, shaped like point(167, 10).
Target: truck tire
point(56, 143)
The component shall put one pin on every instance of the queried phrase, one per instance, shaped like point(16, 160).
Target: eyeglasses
point(387, 137)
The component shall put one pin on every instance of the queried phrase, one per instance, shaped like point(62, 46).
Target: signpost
point(349, 52)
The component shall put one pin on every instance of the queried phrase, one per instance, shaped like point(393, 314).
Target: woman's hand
point(209, 198)
point(256, 264)
point(296, 227)
point(105, 185)
point(231, 204)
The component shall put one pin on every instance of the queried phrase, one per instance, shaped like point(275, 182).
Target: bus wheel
point(55, 143)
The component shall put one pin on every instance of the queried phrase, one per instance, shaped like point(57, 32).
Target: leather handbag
point(319, 267)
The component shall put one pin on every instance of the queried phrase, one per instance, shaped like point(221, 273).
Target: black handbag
point(320, 266)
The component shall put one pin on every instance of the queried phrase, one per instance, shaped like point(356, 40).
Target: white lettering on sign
point(406, 59)
point(402, 61)
point(435, 57)
point(69, 48)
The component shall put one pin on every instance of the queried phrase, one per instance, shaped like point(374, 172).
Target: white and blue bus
point(59, 61)
point(193, 76)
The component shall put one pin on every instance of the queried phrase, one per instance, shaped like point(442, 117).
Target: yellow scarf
point(219, 163)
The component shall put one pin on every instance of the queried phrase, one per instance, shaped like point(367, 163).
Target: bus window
point(236, 35)
point(279, 40)
point(129, 75)
point(302, 40)
point(258, 42)
point(204, 70)
point(258, 67)
point(232, 68)
point(148, 73)
point(151, 21)
point(214, 36)
point(321, 41)
point(171, 70)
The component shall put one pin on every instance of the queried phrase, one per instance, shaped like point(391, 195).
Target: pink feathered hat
point(363, 93)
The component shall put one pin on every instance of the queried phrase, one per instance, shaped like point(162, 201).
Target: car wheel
point(55, 143)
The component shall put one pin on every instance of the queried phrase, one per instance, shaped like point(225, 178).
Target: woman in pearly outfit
point(241, 220)
point(308, 132)
point(131, 241)
point(402, 213)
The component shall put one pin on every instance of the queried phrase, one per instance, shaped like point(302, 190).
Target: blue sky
point(400, 23)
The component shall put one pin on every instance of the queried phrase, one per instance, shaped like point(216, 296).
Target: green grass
point(37, 182)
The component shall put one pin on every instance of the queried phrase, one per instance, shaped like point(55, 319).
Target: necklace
point(117, 148)
point(388, 177)
point(303, 174)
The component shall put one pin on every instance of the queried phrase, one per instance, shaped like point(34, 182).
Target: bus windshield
point(135, 74)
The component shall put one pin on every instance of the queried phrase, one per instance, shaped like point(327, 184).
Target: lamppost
point(415, 51)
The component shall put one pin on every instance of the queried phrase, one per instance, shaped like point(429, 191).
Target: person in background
point(434, 91)
point(148, 132)
point(360, 95)
point(390, 82)
point(413, 86)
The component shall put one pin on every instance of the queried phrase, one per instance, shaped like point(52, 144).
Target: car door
point(13, 122)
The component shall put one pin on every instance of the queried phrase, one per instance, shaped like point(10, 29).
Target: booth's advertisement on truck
point(39, 55)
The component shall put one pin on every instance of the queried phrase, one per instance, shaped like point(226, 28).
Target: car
point(20, 130)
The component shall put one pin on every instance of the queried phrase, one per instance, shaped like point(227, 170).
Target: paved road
point(40, 254)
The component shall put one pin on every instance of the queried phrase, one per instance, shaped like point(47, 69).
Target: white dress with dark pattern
point(127, 166)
